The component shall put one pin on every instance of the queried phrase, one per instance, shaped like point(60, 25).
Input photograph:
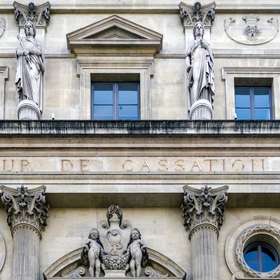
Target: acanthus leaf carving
point(25, 206)
point(204, 206)
point(190, 15)
point(39, 15)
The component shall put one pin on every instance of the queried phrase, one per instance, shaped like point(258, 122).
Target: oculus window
point(115, 97)
point(261, 256)
point(253, 102)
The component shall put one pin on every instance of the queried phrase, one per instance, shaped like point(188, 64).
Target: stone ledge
point(149, 196)
point(154, 127)
point(171, 8)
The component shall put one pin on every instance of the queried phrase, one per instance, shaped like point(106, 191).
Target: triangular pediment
point(113, 32)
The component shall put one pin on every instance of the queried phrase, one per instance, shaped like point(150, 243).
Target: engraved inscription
point(147, 165)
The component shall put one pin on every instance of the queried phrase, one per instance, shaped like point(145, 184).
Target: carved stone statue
point(93, 249)
point(138, 253)
point(29, 75)
point(200, 68)
point(114, 249)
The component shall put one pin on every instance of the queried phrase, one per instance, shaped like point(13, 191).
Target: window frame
point(252, 95)
point(116, 104)
point(229, 74)
point(88, 67)
point(259, 246)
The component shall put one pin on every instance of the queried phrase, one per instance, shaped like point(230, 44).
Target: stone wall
point(62, 97)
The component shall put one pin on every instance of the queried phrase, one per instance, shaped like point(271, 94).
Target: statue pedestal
point(114, 273)
point(201, 110)
point(28, 110)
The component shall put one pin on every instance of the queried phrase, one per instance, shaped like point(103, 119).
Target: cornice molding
point(151, 9)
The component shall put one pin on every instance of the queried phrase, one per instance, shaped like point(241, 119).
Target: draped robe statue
point(200, 64)
point(30, 67)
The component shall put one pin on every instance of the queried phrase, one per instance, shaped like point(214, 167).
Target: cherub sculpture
point(92, 253)
point(138, 253)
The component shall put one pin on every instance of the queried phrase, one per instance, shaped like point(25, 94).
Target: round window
point(261, 256)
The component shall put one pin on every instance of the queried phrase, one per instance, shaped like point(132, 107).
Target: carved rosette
point(25, 208)
point(204, 208)
point(193, 14)
point(39, 15)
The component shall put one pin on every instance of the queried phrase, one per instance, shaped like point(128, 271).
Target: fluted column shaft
point(204, 250)
point(26, 253)
point(27, 214)
point(203, 213)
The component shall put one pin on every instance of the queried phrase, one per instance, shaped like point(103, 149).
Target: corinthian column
point(27, 215)
point(203, 212)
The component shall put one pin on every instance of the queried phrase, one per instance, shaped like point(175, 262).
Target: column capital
point(192, 14)
point(39, 15)
point(204, 208)
point(25, 208)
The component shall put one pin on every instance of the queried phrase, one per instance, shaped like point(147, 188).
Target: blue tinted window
point(261, 257)
point(115, 101)
point(253, 103)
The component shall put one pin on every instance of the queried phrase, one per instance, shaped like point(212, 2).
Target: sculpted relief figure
point(114, 249)
point(138, 253)
point(93, 250)
point(29, 75)
point(200, 68)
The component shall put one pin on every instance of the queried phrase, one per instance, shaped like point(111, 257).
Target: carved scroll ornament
point(204, 207)
point(39, 15)
point(25, 207)
point(190, 15)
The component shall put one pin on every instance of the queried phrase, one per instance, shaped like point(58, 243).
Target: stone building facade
point(139, 139)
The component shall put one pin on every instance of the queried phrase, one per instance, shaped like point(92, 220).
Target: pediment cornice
point(114, 33)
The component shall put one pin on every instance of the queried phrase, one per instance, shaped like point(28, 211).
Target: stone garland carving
point(204, 207)
point(251, 30)
point(200, 69)
point(197, 13)
point(2, 26)
point(29, 75)
point(25, 207)
point(39, 15)
point(115, 248)
point(241, 243)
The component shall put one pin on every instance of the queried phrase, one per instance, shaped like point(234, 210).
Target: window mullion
point(115, 101)
point(252, 103)
point(260, 264)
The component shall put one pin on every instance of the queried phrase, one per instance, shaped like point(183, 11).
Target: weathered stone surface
point(203, 212)
point(204, 208)
point(114, 249)
point(27, 214)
